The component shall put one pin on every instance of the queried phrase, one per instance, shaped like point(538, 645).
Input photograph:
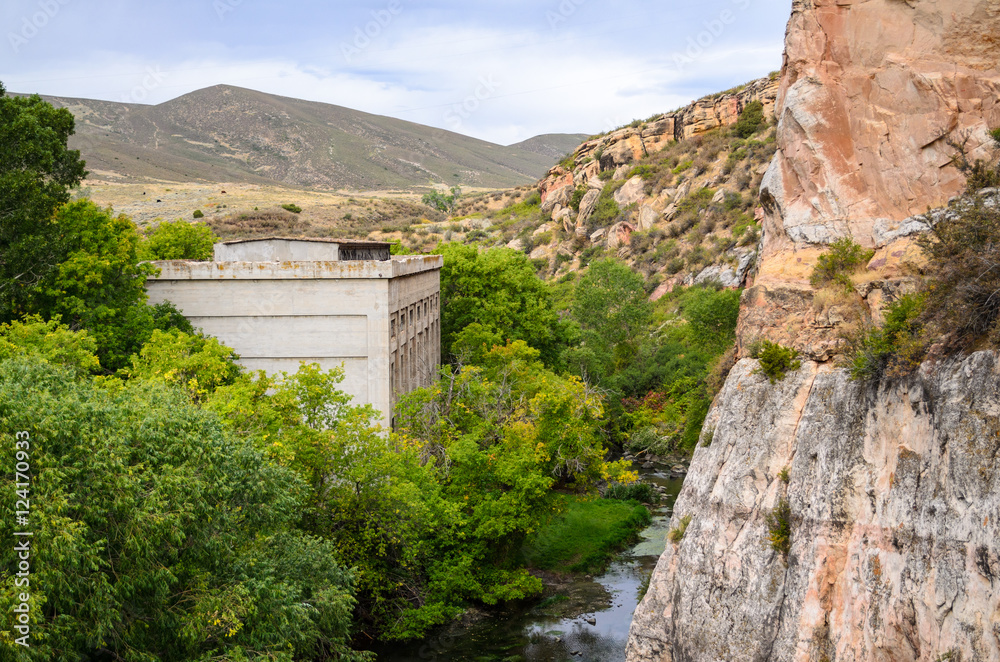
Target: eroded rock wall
point(895, 503)
point(871, 92)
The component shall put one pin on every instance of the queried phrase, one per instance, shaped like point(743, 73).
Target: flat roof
point(399, 265)
point(316, 240)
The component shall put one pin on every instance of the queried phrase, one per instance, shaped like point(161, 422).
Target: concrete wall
point(277, 250)
point(277, 315)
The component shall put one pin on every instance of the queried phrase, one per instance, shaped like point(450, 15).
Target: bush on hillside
point(964, 275)
point(750, 121)
point(892, 349)
point(844, 258)
point(295, 209)
point(779, 527)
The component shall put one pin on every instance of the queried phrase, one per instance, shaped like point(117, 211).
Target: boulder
point(559, 196)
point(647, 217)
point(548, 227)
point(683, 191)
point(633, 191)
point(725, 276)
point(587, 206)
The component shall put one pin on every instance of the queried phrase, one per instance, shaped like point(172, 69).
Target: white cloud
point(497, 83)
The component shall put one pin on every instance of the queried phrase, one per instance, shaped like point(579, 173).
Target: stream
point(586, 620)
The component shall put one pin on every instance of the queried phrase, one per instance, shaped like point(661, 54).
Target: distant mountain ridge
point(225, 133)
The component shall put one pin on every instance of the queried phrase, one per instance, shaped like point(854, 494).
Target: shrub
point(844, 258)
point(295, 209)
point(893, 349)
point(574, 202)
point(440, 201)
point(677, 534)
point(779, 527)
point(684, 165)
point(641, 492)
point(198, 214)
point(776, 360)
point(644, 170)
point(964, 275)
point(750, 120)
point(647, 439)
point(784, 475)
point(606, 212)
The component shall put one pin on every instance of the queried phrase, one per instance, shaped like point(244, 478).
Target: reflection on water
point(528, 635)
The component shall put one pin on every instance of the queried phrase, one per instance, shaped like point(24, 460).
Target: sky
point(499, 70)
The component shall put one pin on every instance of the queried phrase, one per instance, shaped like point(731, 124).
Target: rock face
point(895, 523)
point(894, 490)
point(623, 146)
point(871, 92)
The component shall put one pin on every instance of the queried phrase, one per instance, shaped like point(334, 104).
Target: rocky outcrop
point(895, 523)
point(893, 489)
point(623, 146)
point(871, 93)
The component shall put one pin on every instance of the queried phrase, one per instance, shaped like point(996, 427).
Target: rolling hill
point(232, 134)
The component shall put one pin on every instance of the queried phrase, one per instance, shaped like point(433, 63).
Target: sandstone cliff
point(894, 491)
point(895, 500)
point(872, 92)
point(631, 143)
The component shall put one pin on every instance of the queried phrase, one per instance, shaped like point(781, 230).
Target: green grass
point(585, 534)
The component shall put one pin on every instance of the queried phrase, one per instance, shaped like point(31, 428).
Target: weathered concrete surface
point(380, 320)
point(895, 501)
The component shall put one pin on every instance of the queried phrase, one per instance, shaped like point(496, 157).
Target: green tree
point(99, 284)
point(750, 121)
point(36, 175)
point(499, 290)
point(158, 535)
point(440, 201)
point(50, 342)
point(178, 240)
point(611, 306)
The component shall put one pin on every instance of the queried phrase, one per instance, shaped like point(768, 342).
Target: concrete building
point(279, 302)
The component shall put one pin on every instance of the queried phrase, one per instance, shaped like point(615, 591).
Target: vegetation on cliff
point(955, 306)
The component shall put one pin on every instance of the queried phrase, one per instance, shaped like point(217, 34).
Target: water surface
point(537, 633)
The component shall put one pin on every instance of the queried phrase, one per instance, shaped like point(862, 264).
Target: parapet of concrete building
point(280, 302)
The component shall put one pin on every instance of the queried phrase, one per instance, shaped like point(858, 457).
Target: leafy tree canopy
point(178, 240)
point(158, 534)
point(499, 290)
point(36, 174)
point(610, 304)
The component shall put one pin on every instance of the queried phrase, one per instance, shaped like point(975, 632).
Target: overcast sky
point(501, 70)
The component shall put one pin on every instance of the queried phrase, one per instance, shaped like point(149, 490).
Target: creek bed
point(586, 620)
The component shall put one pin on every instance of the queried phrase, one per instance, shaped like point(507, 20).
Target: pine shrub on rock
point(776, 360)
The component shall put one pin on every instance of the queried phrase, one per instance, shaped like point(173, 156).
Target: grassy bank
point(584, 534)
